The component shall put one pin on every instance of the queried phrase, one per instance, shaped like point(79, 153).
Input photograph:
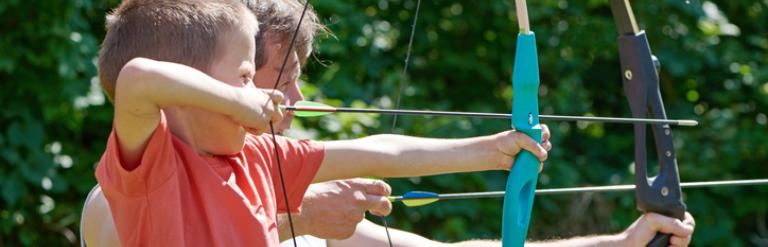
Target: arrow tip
point(688, 122)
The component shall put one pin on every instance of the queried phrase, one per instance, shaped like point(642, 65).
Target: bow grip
point(660, 240)
point(521, 182)
point(518, 201)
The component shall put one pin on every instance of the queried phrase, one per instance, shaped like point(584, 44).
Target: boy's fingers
point(545, 135)
point(527, 143)
point(546, 145)
point(277, 115)
point(275, 95)
point(272, 108)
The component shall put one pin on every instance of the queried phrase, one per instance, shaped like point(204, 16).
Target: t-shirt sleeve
point(158, 163)
point(300, 160)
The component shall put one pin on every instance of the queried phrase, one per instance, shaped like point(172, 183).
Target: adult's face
point(266, 76)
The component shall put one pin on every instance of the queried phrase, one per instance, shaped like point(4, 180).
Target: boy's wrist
point(233, 106)
point(495, 144)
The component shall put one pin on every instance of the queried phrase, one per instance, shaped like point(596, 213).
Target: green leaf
point(13, 189)
point(11, 156)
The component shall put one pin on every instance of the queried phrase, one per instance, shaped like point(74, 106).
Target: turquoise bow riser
point(521, 183)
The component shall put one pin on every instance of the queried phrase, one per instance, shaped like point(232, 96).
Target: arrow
point(420, 198)
point(315, 109)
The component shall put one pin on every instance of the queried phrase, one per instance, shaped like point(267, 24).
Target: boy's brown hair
point(277, 23)
point(179, 31)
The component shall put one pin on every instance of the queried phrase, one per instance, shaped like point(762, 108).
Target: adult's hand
point(332, 210)
point(645, 228)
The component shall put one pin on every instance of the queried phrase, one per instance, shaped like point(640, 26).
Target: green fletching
point(311, 113)
point(303, 103)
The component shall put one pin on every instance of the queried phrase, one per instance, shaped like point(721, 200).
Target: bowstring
point(272, 128)
point(404, 75)
point(403, 82)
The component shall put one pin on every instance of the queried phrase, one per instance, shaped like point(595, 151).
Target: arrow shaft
point(627, 187)
point(592, 189)
point(492, 115)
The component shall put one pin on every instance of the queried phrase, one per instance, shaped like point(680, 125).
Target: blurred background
point(54, 119)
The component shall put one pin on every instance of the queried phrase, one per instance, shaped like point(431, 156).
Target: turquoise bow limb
point(521, 183)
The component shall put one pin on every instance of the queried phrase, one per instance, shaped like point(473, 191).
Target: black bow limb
point(639, 71)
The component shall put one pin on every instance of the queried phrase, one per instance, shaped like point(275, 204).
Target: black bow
point(640, 74)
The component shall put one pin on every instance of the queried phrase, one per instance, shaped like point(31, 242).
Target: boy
point(169, 178)
point(179, 167)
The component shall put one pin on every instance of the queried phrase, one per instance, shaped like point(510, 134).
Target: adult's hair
point(277, 21)
point(181, 31)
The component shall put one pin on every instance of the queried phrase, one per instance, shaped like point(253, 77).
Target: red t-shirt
point(176, 197)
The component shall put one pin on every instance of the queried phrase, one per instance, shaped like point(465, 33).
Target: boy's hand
point(510, 143)
point(256, 108)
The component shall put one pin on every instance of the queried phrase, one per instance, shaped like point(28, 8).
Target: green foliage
point(53, 127)
point(462, 60)
point(55, 120)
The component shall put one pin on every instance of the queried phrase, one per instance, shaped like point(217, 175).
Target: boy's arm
point(403, 156)
point(145, 86)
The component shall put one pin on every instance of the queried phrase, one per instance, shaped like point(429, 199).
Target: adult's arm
point(637, 235)
point(370, 234)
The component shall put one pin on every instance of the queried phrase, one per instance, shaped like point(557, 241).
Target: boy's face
point(266, 76)
point(233, 66)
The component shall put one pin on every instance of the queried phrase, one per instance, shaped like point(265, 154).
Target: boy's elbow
point(134, 86)
point(136, 70)
point(133, 76)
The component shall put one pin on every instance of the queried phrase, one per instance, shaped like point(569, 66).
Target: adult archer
point(327, 199)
